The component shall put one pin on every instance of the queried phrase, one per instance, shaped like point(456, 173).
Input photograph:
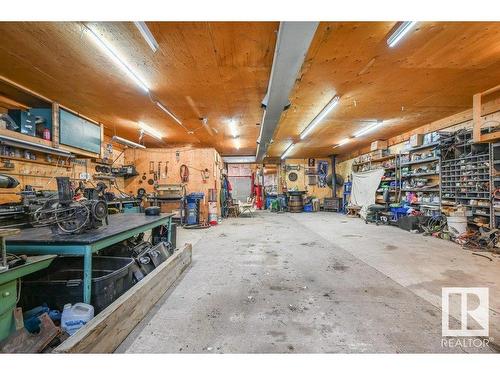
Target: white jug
point(76, 316)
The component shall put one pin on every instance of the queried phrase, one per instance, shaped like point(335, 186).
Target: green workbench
point(121, 227)
point(9, 291)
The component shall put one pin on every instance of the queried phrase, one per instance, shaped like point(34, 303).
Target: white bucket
point(458, 223)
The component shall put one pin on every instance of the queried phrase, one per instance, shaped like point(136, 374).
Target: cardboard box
point(416, 140)
point(378, 145)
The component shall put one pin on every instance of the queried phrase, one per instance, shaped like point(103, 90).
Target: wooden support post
point(103, 147)
point(476, 118)
point(334, 176)
point(106, 331)
point(55, 125)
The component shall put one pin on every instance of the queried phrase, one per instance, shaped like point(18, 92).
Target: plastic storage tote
point(62, 282)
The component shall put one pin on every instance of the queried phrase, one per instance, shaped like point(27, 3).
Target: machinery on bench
point(170, 193)
point(73, 211)
point(65, 211)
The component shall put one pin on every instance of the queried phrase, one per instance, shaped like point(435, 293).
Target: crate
point(416, 140)
point(62, 282)
point(331, 204)
point(378, 145)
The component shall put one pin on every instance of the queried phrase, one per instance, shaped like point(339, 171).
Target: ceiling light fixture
point(368, 129)
point(332, 103)
point(147, 35)
point(232, 128)
point(112, 54)
point(400, 32)
point(342, 142)
point(126, 142)
point(166, 110)
point(287, 151)
point(150, 131)
point(237, 143)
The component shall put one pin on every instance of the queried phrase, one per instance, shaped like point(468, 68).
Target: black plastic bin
point(62, 282)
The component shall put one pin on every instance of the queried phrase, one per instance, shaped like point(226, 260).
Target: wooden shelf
point(37, 161)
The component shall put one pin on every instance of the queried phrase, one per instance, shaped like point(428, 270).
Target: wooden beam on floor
point(106, 331)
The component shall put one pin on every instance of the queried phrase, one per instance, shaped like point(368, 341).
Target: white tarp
point(364, 187)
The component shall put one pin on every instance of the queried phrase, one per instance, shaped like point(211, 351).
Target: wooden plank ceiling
point(205, 69)
point(430, 74)
point(221, 70)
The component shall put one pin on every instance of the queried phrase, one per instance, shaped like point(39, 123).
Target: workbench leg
point(87, 274)
point(169, 235)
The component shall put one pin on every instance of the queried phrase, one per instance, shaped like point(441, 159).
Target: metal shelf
point(422, 161)
point(421, 174)
point(420, 190)
point(423, 147)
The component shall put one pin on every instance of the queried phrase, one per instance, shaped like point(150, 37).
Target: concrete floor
point(300, 283)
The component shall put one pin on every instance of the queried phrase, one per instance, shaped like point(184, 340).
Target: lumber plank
point(21, 341)
point(106, 331)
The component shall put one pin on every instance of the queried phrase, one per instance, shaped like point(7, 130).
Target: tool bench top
point(118, 224)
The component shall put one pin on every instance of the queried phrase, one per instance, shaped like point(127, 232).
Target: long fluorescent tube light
point(320, 116)
point(287, 151)
point(238, 159)
point(368, 129)
point(112, 54)
point(400, 32)
point(150, 131)
point(165, 109)
point(126, 142)
point(147, 35)
point(9, 141)
point(342, 142)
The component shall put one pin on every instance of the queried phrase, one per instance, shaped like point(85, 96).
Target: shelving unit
point(466, 179)
point(388, 181)
point(495, 184)
point(418, 175)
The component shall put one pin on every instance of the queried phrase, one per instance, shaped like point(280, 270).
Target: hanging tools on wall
point(166, 170)
point(205, 175)
point(184, 173)
point(151, 167)
point(158, 173)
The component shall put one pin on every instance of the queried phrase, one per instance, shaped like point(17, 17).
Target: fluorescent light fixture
point(237, 143)
point(165, 109)
point(232, 128)
point(400, 32)
point(287, 151)
point(147, 35)
point(342, 142)
point(113, 56)
point(368, 129)
point(320, 116)
point(238, 159)
point(126, 142)
point(150, 131)
point(13, 142)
